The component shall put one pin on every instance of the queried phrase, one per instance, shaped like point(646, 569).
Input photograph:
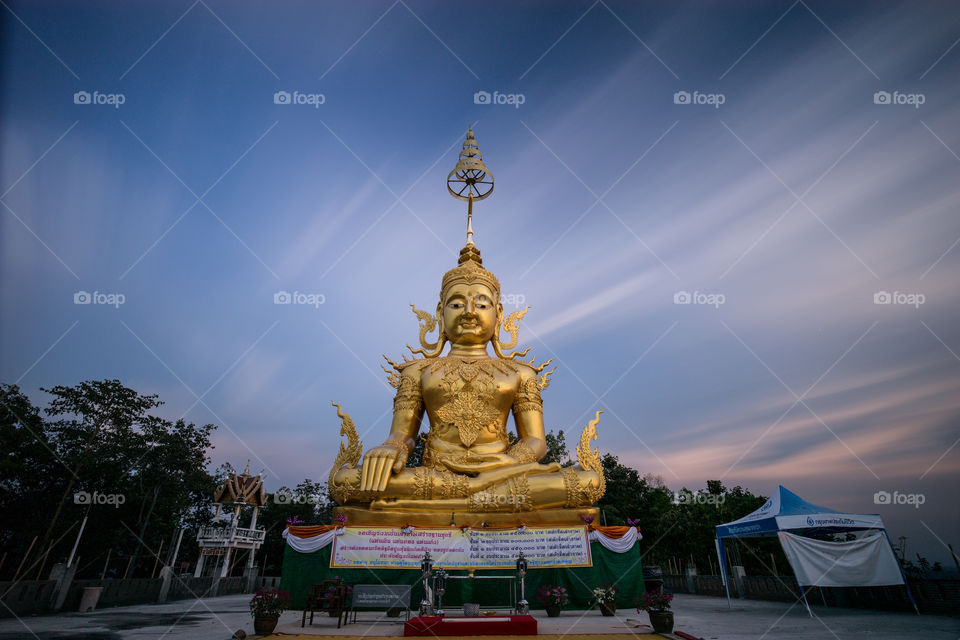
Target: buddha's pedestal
point(361, 516)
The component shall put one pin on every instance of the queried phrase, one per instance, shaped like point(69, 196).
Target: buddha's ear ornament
point(511, 326)
point(428, 323)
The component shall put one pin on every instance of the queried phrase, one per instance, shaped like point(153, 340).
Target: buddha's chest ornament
point(468, 396)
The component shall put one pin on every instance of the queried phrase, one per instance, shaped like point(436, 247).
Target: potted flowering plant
point(266, 607)
point(605, 596)
point(657, 606)
point(552, 598)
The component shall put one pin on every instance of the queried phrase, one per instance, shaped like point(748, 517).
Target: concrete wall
point(267, 582)
point(115, 593)
point(937, 596)
point(230, 586)
point(26, 597)
point(711, 586)
point(932, 596)
point(184, 588)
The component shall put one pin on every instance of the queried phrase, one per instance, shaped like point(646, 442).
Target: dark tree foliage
point(28, 466)
point(415, 459)
point(308, 503)
point(679, 527)
point(557, 449)
point(103, 454)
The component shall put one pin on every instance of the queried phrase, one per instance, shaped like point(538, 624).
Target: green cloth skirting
point(301, 570)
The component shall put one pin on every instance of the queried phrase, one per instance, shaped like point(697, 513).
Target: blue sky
point(620, 183)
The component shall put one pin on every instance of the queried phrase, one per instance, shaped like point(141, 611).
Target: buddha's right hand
point(379, 463)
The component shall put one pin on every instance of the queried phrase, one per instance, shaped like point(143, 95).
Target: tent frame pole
point(721, 553)
point(803, 594)
point(902, 575)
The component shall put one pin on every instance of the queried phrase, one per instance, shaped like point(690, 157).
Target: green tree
point(415, 459)
point(678, 527)
point(557, 449)
point(95, 422)
point(30, 471)
point(627, 494)
point(101, 454)
point(308, 503)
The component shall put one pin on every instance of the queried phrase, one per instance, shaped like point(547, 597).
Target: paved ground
point(701, 616)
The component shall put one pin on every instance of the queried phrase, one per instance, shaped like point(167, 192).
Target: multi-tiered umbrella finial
point(470, 180)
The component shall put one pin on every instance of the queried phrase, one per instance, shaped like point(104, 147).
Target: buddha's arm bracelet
point(522, 452)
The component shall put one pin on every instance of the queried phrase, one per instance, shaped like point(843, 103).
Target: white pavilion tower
point(221, 540)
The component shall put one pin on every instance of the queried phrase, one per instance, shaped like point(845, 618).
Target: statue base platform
point(303, 570)
point(361, 516)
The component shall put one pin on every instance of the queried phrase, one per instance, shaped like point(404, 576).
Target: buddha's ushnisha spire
point(470, 180)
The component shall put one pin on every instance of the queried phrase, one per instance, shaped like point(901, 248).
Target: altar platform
point(508, 625)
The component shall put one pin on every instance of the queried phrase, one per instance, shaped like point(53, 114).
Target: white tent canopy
point(867, 561)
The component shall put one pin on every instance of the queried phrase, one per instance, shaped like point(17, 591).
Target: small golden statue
point(469, 466)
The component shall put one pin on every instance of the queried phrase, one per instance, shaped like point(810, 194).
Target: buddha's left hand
point(479, 464)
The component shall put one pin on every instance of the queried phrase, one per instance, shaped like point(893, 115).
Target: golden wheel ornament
point(470, 180)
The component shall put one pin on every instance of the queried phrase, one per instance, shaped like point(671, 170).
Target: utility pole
point(176, 550)
point(76, 542)
point(953, 554)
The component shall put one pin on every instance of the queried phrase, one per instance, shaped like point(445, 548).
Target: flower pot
point(661, 621)
point(608, 608)
point(553, 612)
point(264, 625)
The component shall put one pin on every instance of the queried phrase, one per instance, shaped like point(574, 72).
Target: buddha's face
point(470, 314)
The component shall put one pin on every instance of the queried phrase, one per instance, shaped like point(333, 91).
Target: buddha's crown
point(469, 270)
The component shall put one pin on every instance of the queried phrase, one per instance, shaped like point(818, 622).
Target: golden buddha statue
point(469, 465)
